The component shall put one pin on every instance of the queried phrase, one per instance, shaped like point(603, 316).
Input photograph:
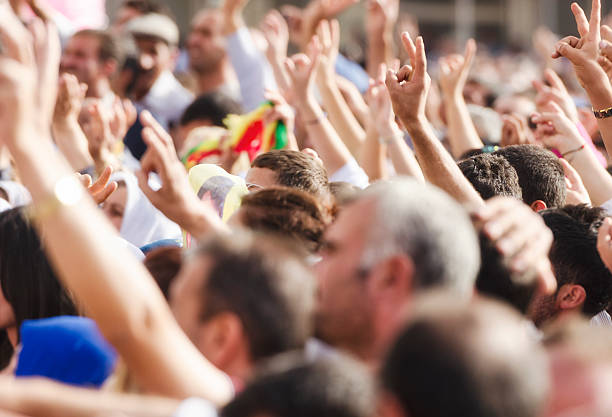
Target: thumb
point(569, 52)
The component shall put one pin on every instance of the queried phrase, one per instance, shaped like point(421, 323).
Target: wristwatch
point(603, 114)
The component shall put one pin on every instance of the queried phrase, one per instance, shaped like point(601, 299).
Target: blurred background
point(507, 23)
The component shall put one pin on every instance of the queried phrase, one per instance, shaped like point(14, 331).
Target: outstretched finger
point(409, 47)
point(148, 120)
point(554, 80)
point(420, 66)
point(102, 181)
point(469, 54)
point(581, 20)
point(595, 23)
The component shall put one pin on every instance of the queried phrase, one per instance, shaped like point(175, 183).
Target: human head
point(288, 212)
point(581, 369)
point(540, 175)
point(584, 284)
point(164, 264)
point(207, 110)
point(294, 387)
point(243, 298)
point(30, 288)
point(491, 175)
point(131, 9)
point(92, 56)
point(156, 37)
point(290, 169)
point(395, 240)
point(455, 360)
point(206, 43)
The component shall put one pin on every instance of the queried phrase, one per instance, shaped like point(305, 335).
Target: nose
point(146, 62)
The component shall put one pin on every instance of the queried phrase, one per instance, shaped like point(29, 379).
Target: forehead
point(85, 43)
point(353, 223)
point(207, 20)
point(264, 177)
point(150, 43)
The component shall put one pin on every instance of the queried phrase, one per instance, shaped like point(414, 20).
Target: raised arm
point(327, 143)
point(557, 131)
point(381, 18)
point(584, 54)
point(408, 90)
point(339, 112)
point(454, 70)
point(114, 288)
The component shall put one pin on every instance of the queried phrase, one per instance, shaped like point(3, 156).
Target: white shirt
point(166, 100)
point(352, 173)
point(195, 407)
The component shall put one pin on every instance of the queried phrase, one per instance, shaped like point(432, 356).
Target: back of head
point(296, 170)
point(574, 255)
point(496, 280)
point(265, 283)
point(28, 282)
point(491, 175)
point(292, 387)
point(540, 174)
point(288, 212)
point(466, 360)
point(164, 264)
point(423, 222)
point(212, 107)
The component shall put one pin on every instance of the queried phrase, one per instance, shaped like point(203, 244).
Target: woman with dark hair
point(29, 287)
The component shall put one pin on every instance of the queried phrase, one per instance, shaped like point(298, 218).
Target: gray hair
point(423, 222)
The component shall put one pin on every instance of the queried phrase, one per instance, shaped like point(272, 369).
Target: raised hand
point(519, 234)
point(409, 86)
point(381, 109)
point(381, 15)
point(102, 188)
point(555, 130)
point(301, 71)
point(555, 92)
point(328, 37)
point(69, 99)
point(276, 32)
point(515, 131)
point(232, 15)
point(284, 112)
point(583, 52)
point(576, 191)
point(454, 70)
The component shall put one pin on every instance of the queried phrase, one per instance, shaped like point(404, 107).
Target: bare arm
point(380, 22)
point(115, 289)
point(43, 398)
point(454, 70)
point(408, 90)
point(340, 114)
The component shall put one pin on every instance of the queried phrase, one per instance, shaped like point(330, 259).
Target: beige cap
point(156, 25)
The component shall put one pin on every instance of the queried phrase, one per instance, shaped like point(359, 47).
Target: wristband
point(67, 192)
point(603, 114)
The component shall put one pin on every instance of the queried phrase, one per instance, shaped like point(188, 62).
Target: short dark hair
point(491, 175)
point(164, 264)
point(496, 280)
point(265, 283)
point(450, 362)
point(539, 173)
point(213, 107)
point(574, 254)
point(28, 282)
point(296, 170)
point(286, 211)
point(288, 387)
point(109, 47)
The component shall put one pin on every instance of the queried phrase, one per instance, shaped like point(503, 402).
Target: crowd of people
point(215, 226)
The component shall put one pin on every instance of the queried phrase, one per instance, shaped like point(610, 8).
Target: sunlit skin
point(114, 206)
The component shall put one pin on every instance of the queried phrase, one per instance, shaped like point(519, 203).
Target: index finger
point(409, 47)
point(420, 67)
point(581, 20)
point(470, 52)
point(554, 80)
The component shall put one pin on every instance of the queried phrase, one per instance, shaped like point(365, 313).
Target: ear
point(393, 277)
point(109, 67)
point(571, 297)
point(538, 206)
point(221, 338)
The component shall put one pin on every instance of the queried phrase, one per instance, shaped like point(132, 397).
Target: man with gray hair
point(397, 239)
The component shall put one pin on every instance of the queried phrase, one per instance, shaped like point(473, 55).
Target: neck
point(212, 80)
point(13, 335)
point(99, 89)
